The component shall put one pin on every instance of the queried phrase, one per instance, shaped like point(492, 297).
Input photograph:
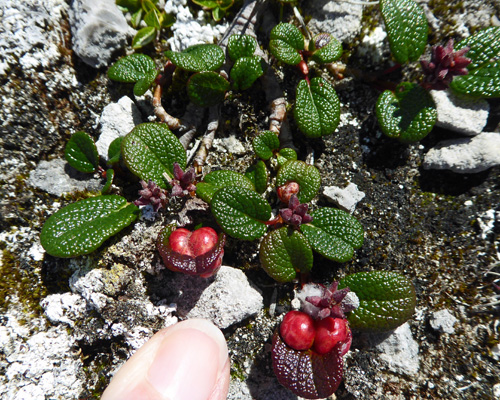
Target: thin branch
point(208, 138)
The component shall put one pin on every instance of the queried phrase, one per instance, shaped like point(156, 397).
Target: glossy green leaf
point(81, 152)
point(197, 58)
point(240, 212)
point(285, 155)
point(286, 41)
point(408, 115)
point(218, 13)
point(307, 176)
point(245, 71)
point(110, 174)
point(334, 234)
point(483, 79)
point(317, 108)
point(387, 300)
point(154, 18)
point(115, 150)
point(326, 48)
point(136, 18)
point(284, 252)
point(265, 144)
point(81, 227)
point(225, 4)
point(241, 46)
point(216, 180)
point(150, 150)
point(259, 175)
point(135, 68)
point(406, 27)
point(144, 36)
point(148, 5)
point(206, 89)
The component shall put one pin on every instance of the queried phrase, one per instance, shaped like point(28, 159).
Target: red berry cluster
point(299, 331)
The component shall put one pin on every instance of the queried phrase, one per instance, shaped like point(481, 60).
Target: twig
point(208, 138)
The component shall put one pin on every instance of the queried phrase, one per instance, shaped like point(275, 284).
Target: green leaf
point(406, 27)
point(245, 71)
point(81, 227)
point(110, 174)
point(135, 68)
point(143, 37)
point(167, 20)
point(81, 152)
point(307, 176)
point(326, 48)
point(129, 5)
point(150, 150)
point(286, 41)
point(207, 89)
point(153, 18)
point(241, 46)
point(285, 155)
point(407, 115)
point(210, 4)
point(197, 58)
point(149, 5)
point(115, 150)
point(259, 176)
point(387, 300)
point(334, 234)
point(136, 18)
point(317, 108)
point(225, 4)
point(216, 180)
point(240, 212)
point(218, 13)
point(284, 252)
point(483, 79)
point(265, 144)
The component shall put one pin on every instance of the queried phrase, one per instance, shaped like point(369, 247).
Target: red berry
point(195, 243)
point(297, 330)
point(179, 241)
point(203, 240)
point(329, 332)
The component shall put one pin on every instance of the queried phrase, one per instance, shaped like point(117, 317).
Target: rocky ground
point(68, 324)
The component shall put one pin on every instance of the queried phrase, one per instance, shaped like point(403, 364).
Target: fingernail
point(186, 366)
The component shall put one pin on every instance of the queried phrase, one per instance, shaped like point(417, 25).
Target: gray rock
point(347, 198)
point(30, 33)
point(443, 321)
point(99, 29)
point(468, 155)
point(117, 119)
point(225, 300)
point(341, 19)
point(229, 145)
point(400, 351)
point(57, 178)
point(64, 307)
point(40, 365)
point(459, 114)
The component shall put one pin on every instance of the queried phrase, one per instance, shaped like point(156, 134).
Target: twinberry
point(329, 332)
point(195, 243)
point(193, 253)
point(297, 330)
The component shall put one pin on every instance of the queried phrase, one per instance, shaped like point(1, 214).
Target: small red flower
point(443, 66)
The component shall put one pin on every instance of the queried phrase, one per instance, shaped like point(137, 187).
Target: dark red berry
point(297, 330)
point(285, 191)
point(329, 332)
point(194, 243)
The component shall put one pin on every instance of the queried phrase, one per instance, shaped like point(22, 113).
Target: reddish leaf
point(306, 373)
